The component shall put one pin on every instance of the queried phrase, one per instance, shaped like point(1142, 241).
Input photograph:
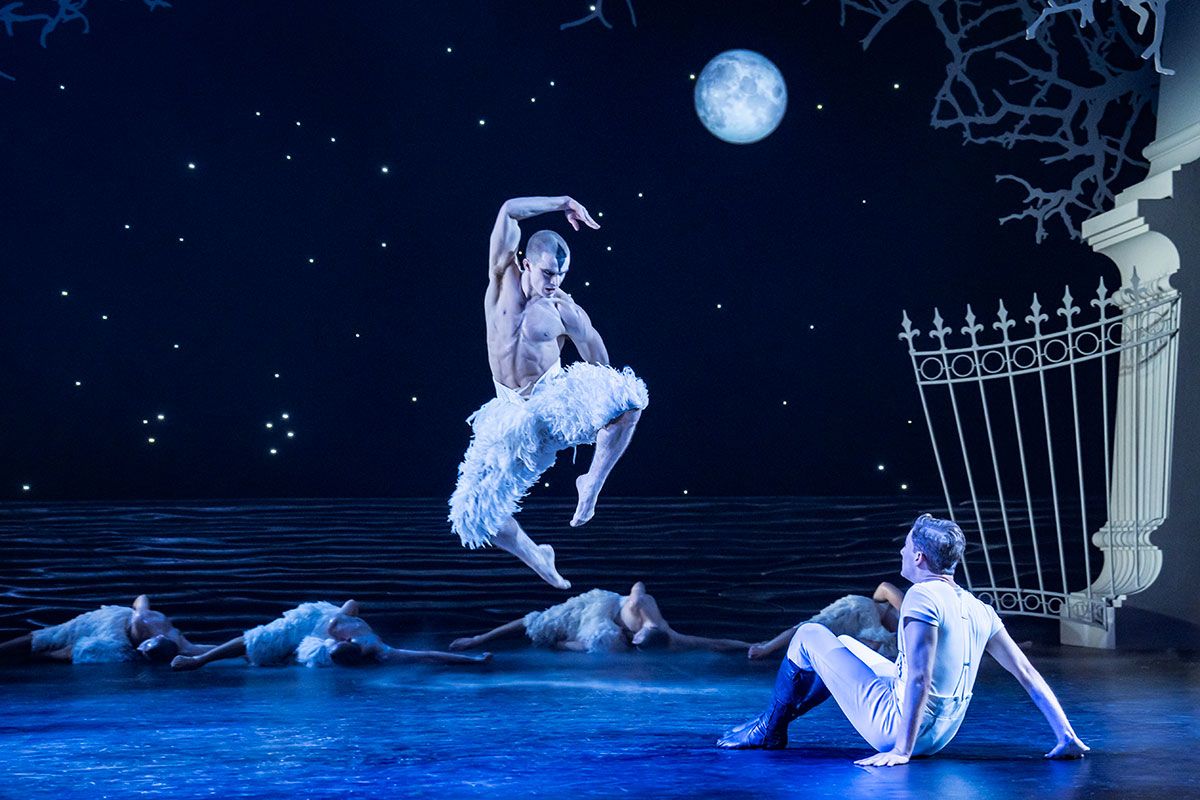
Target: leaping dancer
point(540, 407)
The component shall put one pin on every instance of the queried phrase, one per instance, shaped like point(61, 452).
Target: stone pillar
point(1154, 229)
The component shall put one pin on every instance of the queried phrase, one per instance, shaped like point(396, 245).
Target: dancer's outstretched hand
point(576, 214)
point(888, 759)
point(757, 651)
point(1070, 747)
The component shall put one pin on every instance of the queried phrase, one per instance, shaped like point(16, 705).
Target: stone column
point(1154, 230)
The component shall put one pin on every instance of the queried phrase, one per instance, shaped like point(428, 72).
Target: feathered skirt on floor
point(97, 637)
point(516, 439)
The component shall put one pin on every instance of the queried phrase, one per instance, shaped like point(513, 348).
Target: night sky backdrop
point(258, 283)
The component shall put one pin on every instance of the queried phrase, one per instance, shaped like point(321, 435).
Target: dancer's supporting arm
point(920, 644)
point(507, 629)
point(683, 641)
point(394, 655)
point(231, 649)
point(887, 593)
point(506, 234)
point(1008, 653)
point(764, 649)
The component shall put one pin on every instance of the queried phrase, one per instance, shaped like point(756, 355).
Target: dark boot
point(796, 691)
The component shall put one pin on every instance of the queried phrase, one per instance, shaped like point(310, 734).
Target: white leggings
point(863, 684)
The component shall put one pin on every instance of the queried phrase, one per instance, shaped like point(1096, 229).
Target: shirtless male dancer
point(540, 407)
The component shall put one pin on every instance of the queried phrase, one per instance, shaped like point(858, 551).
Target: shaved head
point(547, 243)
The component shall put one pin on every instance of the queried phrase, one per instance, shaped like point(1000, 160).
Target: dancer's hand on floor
point(888, 759)
point(1069, 747)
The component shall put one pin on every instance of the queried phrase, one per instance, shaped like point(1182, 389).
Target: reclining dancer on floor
point(912, 707)
point(598, 621)
point(871, 620)
point(318, 635)
point(106, 635)
point(540, 407)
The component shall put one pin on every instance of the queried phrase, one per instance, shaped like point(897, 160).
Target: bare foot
point(465, 643)
point(186, 663)
point(585, 509)
point(542, 562)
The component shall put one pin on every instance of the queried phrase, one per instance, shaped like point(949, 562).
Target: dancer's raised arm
point(506, 234)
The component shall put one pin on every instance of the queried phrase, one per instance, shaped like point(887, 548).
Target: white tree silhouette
point(1075, 98)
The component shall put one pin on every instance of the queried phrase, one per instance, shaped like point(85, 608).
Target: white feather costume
point(97, 637)
point(858, 616)
point(516, 438)
point(589, 618)
point(300, 635)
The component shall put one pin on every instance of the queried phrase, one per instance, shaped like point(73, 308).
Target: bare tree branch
point(597, 15)
point(61, 11)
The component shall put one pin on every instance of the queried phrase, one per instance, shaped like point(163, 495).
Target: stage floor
point(536, 724)
point(530, 723)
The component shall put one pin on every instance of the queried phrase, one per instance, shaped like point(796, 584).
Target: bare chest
point(536, 322)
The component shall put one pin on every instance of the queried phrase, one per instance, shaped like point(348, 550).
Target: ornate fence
point(1058, 456)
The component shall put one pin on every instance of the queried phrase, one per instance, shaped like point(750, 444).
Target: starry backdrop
point(245, 244)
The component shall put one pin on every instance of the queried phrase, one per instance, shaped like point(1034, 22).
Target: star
point(273, 451)
point(291, 435)
point(258, 113)
point(718, 306)
point(288, 157)
point(482, 122)
point(785, 402)
point(283, 416)
point(449, 49)
point(181, 238)
point(175, 346)
point(161, 417)
point(895, 86)
point(79, 383)
point(599, 213)
point(414, 398)
point(270, 424)
point(312, 261)
point(383, 244)
point(62, 88)
point(25, 487)
point(685, 491)
point(879, 467)
point(609, 248)
point(65, 293)
point(547, 485)
point(127, 226)
point(904, 486)
point(533, 99)
point(812, 327)
point(104, 316)
point(191, 165)
point(297, 123)
point(691, 76)
point(145, 422)
point(276, 374)
point(640, 194)
point(820, 106)
point(384, 170)
point(333, 138)
point(151, 440)
point(551, 83)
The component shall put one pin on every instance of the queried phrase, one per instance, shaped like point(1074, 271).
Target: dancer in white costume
point(540, 407)
point(912, 707)
point(106, 635)
point(598, 621)
point(871, 620)
point(317, 635)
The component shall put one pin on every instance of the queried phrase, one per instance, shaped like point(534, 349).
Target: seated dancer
point(317, 635)
point(912, 707)
point(106, 635)
point(597, 621)
point(870, 620)
point(540, 407)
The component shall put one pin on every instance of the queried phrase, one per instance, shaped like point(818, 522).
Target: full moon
point(740, 96)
